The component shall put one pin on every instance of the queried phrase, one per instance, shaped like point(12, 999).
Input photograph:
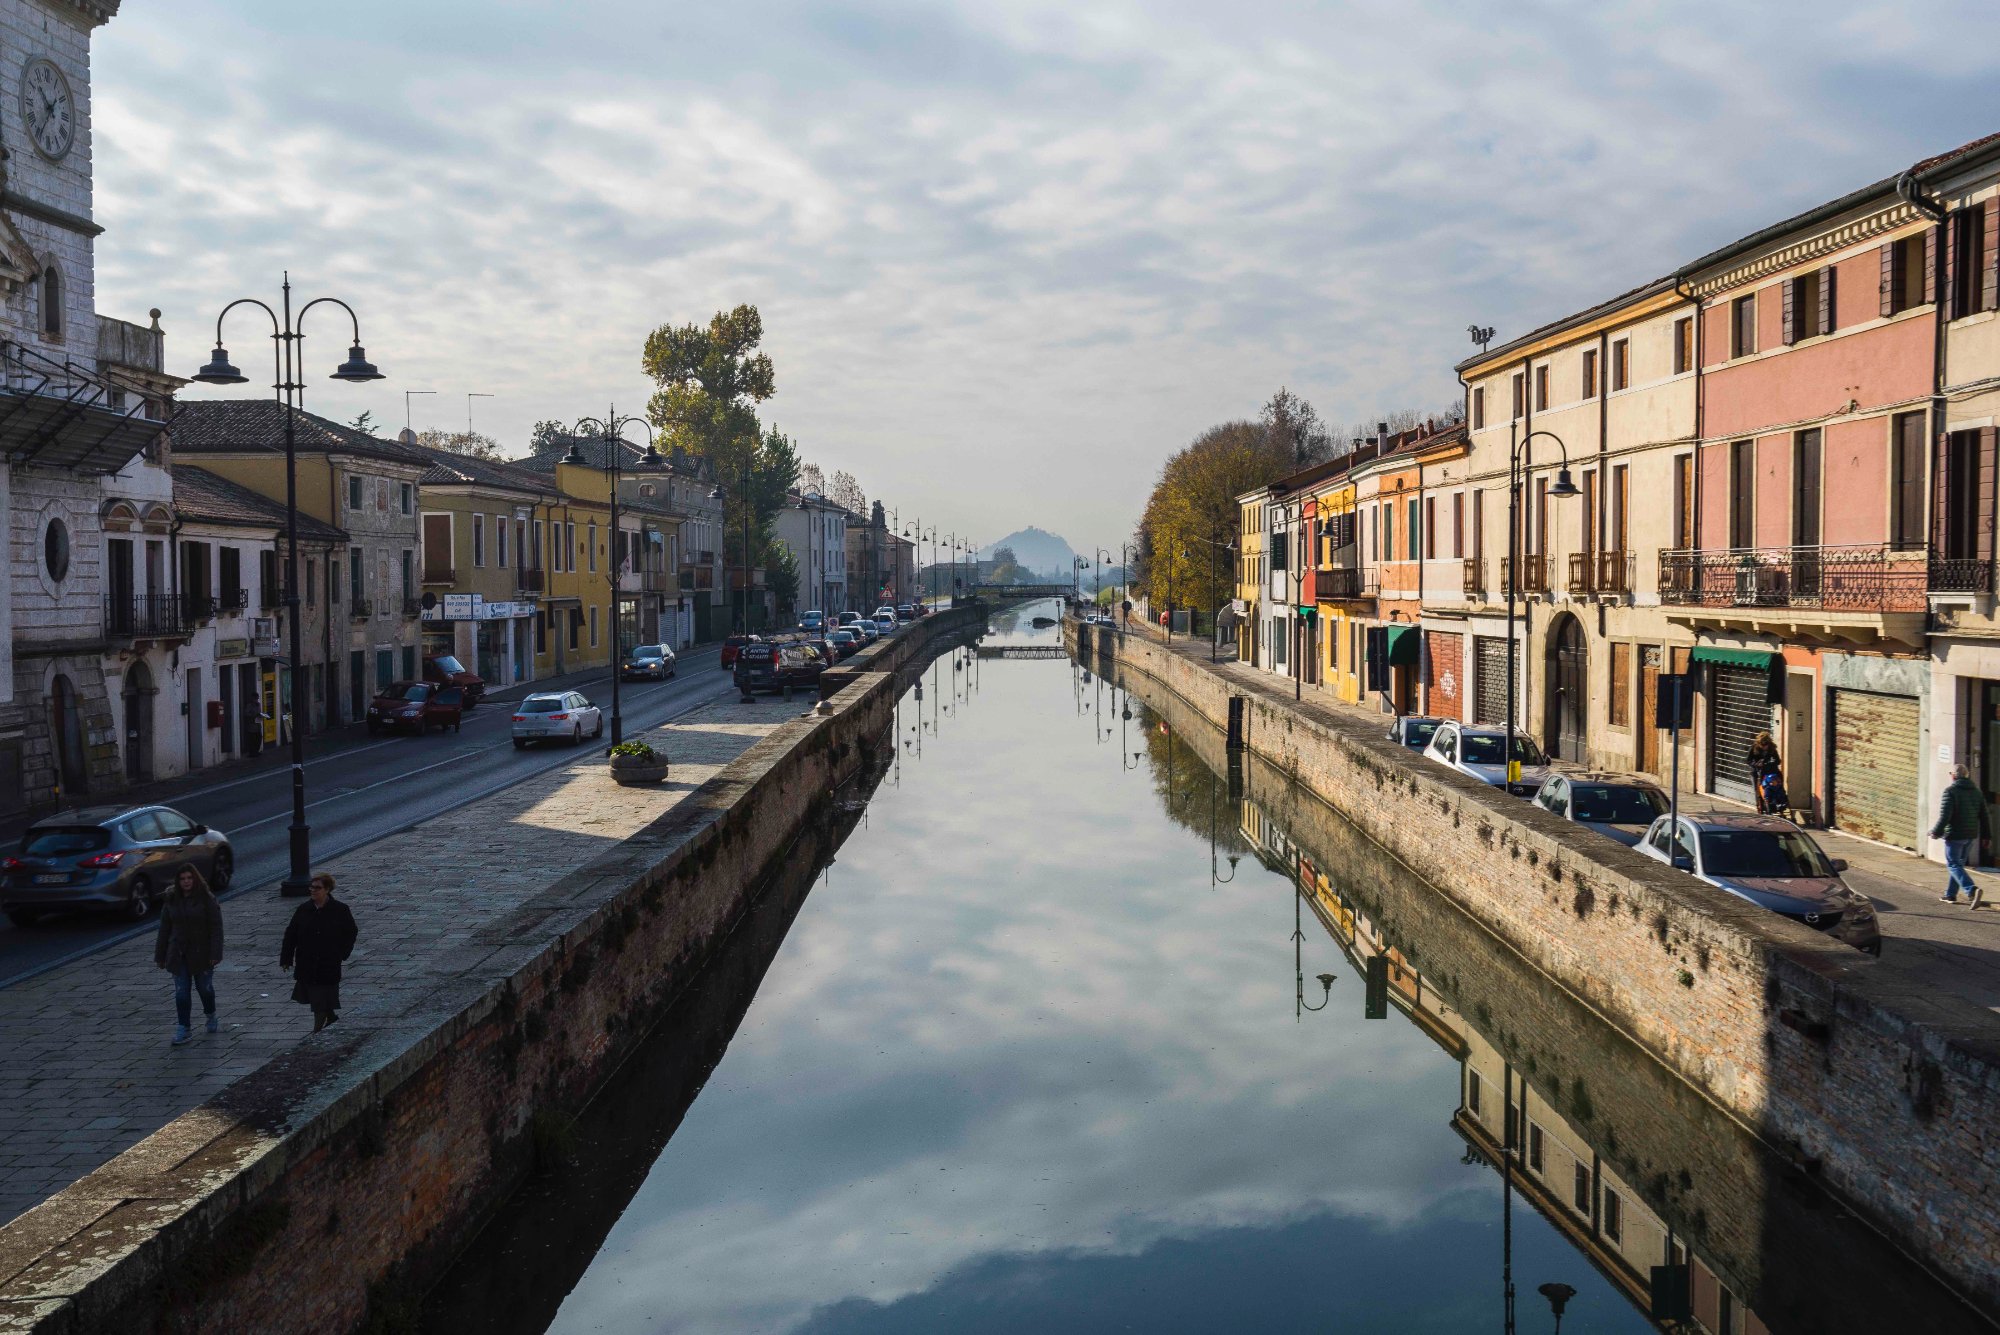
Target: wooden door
point(1649, 691)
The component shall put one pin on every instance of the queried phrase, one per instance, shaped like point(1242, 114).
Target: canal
point(1045, 1046)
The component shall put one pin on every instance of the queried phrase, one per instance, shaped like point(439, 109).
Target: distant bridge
point(1022, 651)
point(1024, 591)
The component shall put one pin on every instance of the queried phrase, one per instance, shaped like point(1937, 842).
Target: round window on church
point(55, 549)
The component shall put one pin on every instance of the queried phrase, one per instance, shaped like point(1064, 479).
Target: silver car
point(119, 858)
point(1773, 864)
point(556, 716)
point(1482, 753)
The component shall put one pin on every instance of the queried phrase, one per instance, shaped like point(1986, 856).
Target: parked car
point(1617, 806)
point(885, 624)
point(776, 665)
point(117, 858)
point(416, 706)
point(867, 630)
point(907, 612)
point(846, 644)
point(886, 610)
point(648, 662)
point(1483, 753)
point(445, 670)
point(731, 647)
point(813, 621)
point(849, 618)
point(1773, 864)
point(1411, 730)
point(555, 715)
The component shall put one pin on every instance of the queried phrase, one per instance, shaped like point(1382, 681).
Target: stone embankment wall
point(327, 1188)
point(1888, 1094)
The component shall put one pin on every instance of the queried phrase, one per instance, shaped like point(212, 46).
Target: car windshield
point(406, 690)
point(649, 651)
point(1483, 748)
point(447, 663)
point(541, 704)
point(1615, 804)
point(1749, 853)
point(55, 841)
point(1418, 734)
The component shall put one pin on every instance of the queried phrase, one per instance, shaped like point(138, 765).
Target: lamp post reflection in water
point(1300, 1004)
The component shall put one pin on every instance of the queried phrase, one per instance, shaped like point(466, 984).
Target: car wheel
point(520, 743)
point(221, 870)
point(600, 728)
point(576, 735)
point(23, 917)
point(140, 902)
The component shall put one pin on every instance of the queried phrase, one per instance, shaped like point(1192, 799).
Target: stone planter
point(634, 771)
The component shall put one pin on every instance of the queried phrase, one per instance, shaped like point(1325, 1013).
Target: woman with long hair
point(189, 945)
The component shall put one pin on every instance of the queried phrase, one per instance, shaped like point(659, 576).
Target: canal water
point(1046, 1048)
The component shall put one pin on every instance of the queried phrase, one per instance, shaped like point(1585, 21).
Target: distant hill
point(1036, 550)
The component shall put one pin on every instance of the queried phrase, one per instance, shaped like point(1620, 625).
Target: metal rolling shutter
point(1739, 709)
point(1875, 766)
point(1491, 704)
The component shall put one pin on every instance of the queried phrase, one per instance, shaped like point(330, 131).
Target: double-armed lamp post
point(1518, 470)
point(287, 334)
point(609, 431)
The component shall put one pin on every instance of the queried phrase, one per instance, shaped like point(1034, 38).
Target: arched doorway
point(66, 730)
point(1564, 736)
point(139, 692)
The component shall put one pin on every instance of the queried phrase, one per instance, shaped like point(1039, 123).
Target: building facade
point(814, 530)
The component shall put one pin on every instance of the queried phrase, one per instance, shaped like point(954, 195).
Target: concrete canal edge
point(324, 1190)
point(1887, 1094)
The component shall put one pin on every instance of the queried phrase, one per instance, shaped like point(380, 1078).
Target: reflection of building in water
point(1556, 1167)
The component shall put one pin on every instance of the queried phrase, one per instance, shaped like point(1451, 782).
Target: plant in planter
point(635, 763)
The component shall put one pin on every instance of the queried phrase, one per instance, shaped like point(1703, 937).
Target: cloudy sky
point(1009, 254)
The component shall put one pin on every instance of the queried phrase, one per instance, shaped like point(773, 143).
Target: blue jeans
point(203, 982)
point(1956, 853)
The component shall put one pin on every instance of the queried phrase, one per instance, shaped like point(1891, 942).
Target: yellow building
point(1249, 569)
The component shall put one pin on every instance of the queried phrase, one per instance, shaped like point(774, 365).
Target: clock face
point(48, 109)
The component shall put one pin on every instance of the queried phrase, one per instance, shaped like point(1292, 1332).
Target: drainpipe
point(1936, 210)
point(1604, 479)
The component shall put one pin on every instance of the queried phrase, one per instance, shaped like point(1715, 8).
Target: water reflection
point(1035, 1054)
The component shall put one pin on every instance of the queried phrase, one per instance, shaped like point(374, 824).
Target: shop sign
point(232, 649)
point(459, 606)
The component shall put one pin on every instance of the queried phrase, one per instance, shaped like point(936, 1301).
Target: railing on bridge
point(1024, 591)
point(1022, 651)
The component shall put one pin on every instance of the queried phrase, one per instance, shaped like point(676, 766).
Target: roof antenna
point(1481, 334)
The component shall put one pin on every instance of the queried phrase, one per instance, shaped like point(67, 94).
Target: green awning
point(1761, 659)
point(1402, 645)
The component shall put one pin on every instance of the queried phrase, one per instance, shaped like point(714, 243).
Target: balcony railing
point(196, 607)
point(1851, 578)
point(1475, 577)
point(1534, 573)
point(234, 600)
point(660, 581)
point(361, 608)
point(1606, 574)
point(146, 616)
point(1347, 583)
point(1961, 575)
point(529, 581)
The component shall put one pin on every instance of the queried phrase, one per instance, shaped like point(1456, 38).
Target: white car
point(554, 715)
point(885, 624)
point(885, 610)
point(1481, 753)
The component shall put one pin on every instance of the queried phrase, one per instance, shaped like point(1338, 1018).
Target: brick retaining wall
point(1890, 1095)
point(347, 1173)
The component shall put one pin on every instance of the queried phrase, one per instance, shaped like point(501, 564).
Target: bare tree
point(811, 479)
point(1295, 423)
point(847, 493)
point(469, 443)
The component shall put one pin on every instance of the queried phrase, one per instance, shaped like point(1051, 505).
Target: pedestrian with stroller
point(1962, 822)
point(189, 946)
point(1767, 775)
point(318, 939)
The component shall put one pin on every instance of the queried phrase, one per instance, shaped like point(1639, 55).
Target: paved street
point(359, 789)
point(89, 1071)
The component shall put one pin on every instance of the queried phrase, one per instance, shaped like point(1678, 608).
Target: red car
point(732, 647)
point(445, 670)
point(416, 706)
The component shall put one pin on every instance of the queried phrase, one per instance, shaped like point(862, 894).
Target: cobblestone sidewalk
point(88, 1069)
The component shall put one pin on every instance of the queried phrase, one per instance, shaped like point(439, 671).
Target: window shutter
point(1951, 248)
point(1983, 534)
point(1990, 274)
point(1940, 501)
point(1930, 265)
point(1790, 321)
point(1891, 298)
point(1827, 306)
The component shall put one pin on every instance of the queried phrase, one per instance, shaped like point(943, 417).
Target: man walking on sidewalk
point(1961, 823)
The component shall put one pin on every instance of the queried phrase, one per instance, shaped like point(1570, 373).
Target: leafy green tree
point(365, 423)
point(1193, 507)
point(710, 381)
point(548, 436)
point(781, 576)
point(472, 444)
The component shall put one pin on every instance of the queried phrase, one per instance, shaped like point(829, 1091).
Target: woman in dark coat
point(319, 936)
point(1764, 765)
point(189, 946)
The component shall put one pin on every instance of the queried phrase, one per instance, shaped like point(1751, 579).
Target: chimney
point(1381, 436)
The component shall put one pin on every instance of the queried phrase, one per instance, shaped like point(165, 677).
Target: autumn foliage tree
point(1193, 510)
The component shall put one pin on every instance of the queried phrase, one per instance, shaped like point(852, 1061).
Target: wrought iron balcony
point(1534, 573)
point(1868, 577)
point(1606, 574)
point(1961, 574)
point(1475, 577)
point(234, 600)
point(146, 616)
point(1347, 583)
point(196, 607)
point(361, 608)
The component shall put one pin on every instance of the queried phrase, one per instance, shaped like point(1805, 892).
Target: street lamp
point(288, 334)
point(1325, 980)
point(1558, 1294)
point(1517, 468)
point(609, 430)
